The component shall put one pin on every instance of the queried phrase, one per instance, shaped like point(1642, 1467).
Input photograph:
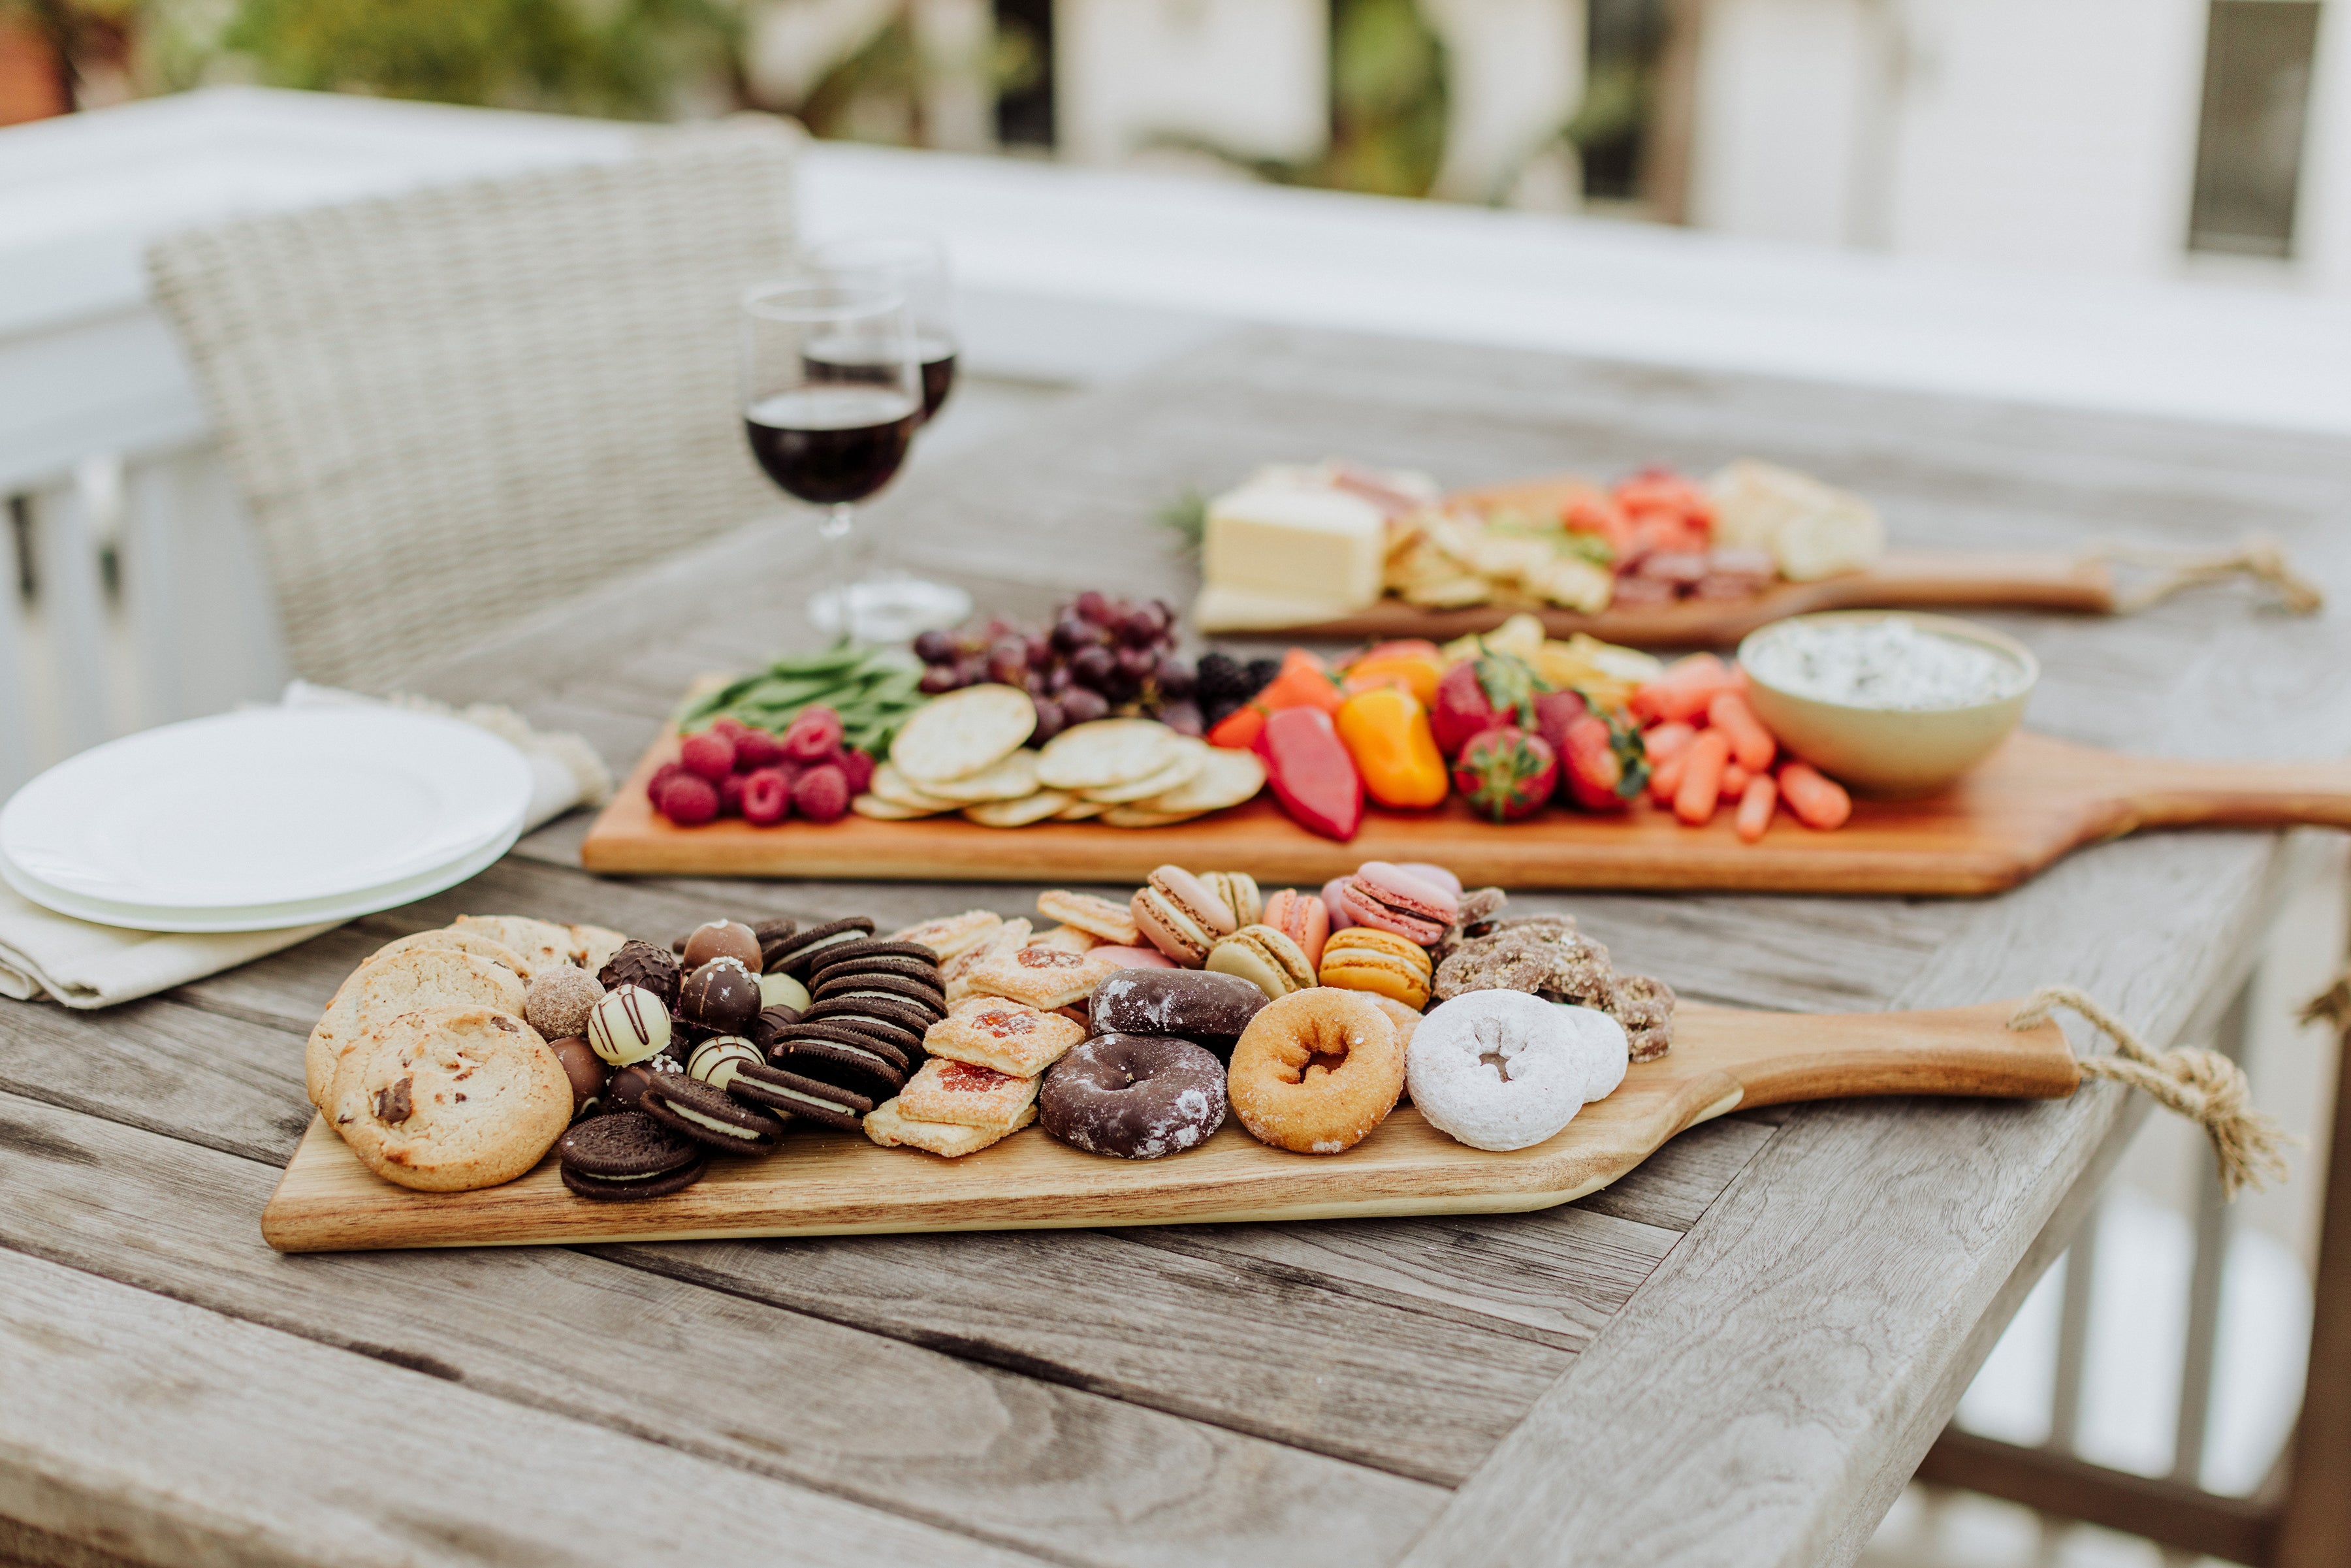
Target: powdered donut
point(1502, 1069)
point(1135, 1096)
point(1316, 1071)
point(1605, 1046)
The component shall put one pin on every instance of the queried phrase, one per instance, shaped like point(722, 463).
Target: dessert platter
point(1206, 1051)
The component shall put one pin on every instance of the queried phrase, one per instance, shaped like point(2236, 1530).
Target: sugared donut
point(1135, 1096)
point(1503, 1070)
point(1316, 1071)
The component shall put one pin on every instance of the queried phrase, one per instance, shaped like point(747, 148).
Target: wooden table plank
point(168, 1434)
point(958, 1443)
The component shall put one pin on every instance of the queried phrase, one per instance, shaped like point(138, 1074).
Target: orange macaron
point(1380, 962)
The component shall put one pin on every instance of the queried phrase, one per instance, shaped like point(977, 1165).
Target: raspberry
point(730, 795)
point(813, 736)
point(755, 749)
point(730, 726)
point(660, 781)
point(709, 754)
point(857, 767)
point(767, 797)
point(687, 800)
point(822, 794)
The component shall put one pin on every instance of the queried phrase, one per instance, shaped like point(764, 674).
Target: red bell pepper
point(1310, 772)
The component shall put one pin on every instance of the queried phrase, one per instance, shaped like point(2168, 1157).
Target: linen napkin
point(83, 964)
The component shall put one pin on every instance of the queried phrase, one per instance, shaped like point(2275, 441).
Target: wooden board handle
point(1776, 1058)
point(2167, 792)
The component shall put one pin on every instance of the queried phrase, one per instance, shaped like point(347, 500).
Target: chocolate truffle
point(721, 939)
point(782, 990)
point(642, 964)
point(560, 1001)
point(623, 1090)
point(721, 996)
point(766, 1029)
point(586, 1072)
point(628, 1026)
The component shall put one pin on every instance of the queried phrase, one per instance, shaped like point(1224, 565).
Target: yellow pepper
point(1385, 730)
point(1416, 668)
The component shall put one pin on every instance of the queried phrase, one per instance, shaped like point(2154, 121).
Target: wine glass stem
point(834, 527)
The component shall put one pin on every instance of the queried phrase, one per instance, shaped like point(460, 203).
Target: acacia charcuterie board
point(2033, 801)
point(824, 1182)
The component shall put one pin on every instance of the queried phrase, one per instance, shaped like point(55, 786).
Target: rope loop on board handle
point(2202, 1085)
point(2260, 558)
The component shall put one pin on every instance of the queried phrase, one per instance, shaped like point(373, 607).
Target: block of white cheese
point(1294, 546)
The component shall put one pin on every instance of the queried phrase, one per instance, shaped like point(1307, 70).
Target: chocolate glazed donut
point(1133, 1096)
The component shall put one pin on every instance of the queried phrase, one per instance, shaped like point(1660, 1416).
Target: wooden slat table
point(1736, 1355)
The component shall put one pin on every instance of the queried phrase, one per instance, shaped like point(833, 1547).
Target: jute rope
point(2259, 557)
point(2202, 1085)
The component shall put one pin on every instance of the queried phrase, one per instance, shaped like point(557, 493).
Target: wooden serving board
point(823, 1183)
point(2033, 801)
point(2082, 585)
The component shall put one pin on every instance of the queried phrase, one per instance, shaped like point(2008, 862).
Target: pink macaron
point(1301, 918)
point(1132, 958)
point(1389, 898)
point(1429, 871)
point(1334, 902)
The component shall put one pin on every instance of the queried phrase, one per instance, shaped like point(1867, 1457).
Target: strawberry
point(709, 754)
point(1479, 692)
point(1554, 712)
point(755, 749)
point(767, 797)
point(813, 736)
point(688, 799)
point(1506, 772)
point(822, 794)
point(1602, 765)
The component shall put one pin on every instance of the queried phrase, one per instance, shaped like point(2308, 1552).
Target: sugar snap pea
point(874, 691)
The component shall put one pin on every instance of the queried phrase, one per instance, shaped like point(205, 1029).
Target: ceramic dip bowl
point(1890, 702)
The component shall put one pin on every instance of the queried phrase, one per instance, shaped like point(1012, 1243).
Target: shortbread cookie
point(472, 942)
point(966, 1094)
point(887, 1127)
point(1042, 976)
point(1010, 1037)
point(452, 1099)
point(1095, 917)
point(382, 989)
point(951, 936)
point(540, 941)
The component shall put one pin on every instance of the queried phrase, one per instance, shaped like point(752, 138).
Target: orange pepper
point(1302, 683)
point(1385, 730)
point(1238, 730)
point(1415, 666)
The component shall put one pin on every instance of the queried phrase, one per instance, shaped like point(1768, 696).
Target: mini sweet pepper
point(1385, 730)
point(1310, 772)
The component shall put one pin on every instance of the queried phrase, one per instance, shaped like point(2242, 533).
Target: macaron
point(1134, 957)
point(1180, 915)
point(1303, 918)
point(1265, 958)
point(1238, 890)
point(1389, 898)
point(1363, 958)
point(1334, 902)
point(1429, 871)
point(627, 1154)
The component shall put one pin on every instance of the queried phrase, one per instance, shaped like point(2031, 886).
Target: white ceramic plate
point(263, 810)
point(268, 917)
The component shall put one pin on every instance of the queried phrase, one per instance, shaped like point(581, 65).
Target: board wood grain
point(2031, 802)
point(1912, 580)
point(822, 1183)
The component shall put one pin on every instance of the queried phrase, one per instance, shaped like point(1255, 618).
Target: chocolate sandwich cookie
point(794, 954)
point(710, 1116)
point(910, 959)
point(898, 1022)
point(773, 935)
point(920, 971)
point(627, 1155)
point(796, 1095)
point(870, 1067)
point(931, 998)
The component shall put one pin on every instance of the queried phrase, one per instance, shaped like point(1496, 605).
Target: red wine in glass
point(838, 359)
point(832, 443)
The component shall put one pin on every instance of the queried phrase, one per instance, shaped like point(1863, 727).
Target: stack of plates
point(254, 821)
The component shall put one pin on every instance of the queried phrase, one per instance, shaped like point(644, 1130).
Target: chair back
point(447, 407)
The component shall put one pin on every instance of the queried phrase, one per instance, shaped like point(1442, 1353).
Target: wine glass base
point(890, 609)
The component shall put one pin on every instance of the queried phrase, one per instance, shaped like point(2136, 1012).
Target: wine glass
point(831, 394)
point(916, 266)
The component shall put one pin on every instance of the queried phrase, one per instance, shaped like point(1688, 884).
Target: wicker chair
point(446, 407)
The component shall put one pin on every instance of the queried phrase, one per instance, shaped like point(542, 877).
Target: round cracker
point(1227, 778)
point(962, 733)
point(1141, 817)
point(1105, 754)
point(1079, 811)
point(1019, 813)
point(895, 786)
point(1191, 755)
point(1014, 778)
point(882, 811)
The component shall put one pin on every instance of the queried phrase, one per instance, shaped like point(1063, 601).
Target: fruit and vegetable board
point(2034, 800)
point(822, 1183)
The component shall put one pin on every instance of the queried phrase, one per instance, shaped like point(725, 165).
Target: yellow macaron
point(1266, 958)
point(1362, 959)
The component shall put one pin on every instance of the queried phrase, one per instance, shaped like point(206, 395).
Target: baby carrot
point(1756, 806)
point(1665, 778)
point(1816, 800)
point(1735, 779)
point(1751, 743)
point(1683, 692)
point(1664, 740)
point(1702, 783)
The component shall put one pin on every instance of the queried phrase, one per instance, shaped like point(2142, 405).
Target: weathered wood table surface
point(1736, 1356)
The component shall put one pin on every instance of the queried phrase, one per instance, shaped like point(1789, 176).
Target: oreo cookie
point(796, 1095)
point(871, 1067)
point(711, 1116)
point(865, 953)
point(628, 1154)
point(931, 998)
point(901, 1024)
point(794, 954)
point(773, 936)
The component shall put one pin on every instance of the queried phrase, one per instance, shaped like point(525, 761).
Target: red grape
point(1051, 720)
point(1083, 706)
